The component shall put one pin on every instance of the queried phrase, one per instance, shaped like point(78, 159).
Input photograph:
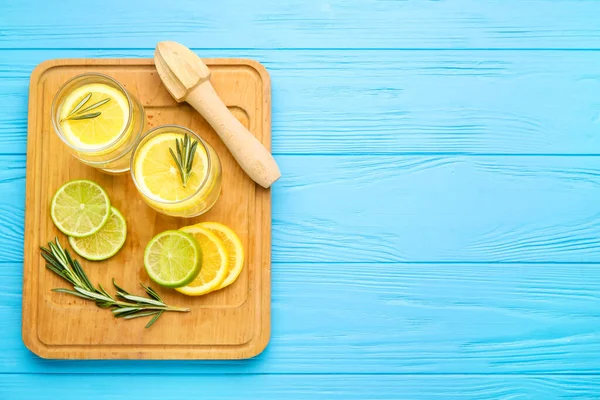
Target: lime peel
point(173, 258)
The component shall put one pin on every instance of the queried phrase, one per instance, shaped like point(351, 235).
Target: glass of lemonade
point(156, 172)
point(99, 120)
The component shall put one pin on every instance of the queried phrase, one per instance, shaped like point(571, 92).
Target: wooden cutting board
point(231, 323)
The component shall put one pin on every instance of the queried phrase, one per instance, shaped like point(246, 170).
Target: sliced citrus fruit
point(105, 119)
point(106, 242)
point(233, 248)
point(214, 262)
point(156, 171)
point(173, 258)
point(80, 208)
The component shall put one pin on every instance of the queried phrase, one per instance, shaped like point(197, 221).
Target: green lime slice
point(80, 208)
point(173, 259)
point(106, 242)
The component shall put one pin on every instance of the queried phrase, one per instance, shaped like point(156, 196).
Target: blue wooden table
point(436, 231)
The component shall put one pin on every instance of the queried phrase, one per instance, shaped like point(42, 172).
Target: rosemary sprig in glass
point(184, 159)
point(125, 305)
point(77, 113)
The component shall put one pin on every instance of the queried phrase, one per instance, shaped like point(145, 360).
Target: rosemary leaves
point(184, 159)
point(124, 305)
point(77, 113)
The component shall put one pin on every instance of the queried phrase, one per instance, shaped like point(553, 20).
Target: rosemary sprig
point(80, 104)
point(95, 105)
point(84, 116)
point(77, 113)
point(124, 305)
point(184, 159)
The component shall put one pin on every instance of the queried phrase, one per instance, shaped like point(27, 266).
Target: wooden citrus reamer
point(187, 78)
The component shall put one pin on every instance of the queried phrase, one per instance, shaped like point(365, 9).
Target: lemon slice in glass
point(106, 242)
point(157, 173)
point(214, 262)
point(99, 131)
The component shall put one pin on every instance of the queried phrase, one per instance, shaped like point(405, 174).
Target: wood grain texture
point(305, 387)
point(306, 24)
point(412, 209)
point(393, 102)
point(389, 318)
point(234, 322)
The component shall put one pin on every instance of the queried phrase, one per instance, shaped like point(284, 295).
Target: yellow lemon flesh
point(157, 174)
point(214, 262)
point(233, 248)
point(96, 133)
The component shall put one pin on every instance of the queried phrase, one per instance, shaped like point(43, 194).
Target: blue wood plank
point(443, 209)
point(437, 209)
point(298, 387)
point(304, 23)
point(388, 318)
point(394, 102)
point(408, 209)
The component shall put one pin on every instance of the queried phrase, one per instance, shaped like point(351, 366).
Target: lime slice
point(80, 208)
point(106, 242)
point(173, 259)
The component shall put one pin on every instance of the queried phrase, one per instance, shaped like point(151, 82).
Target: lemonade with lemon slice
point(157, 173)
point(99, 120)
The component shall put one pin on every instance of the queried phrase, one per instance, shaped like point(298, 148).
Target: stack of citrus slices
point(196, 259)
point(81, 209)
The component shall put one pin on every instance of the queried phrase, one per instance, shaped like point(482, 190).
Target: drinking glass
point(112, 157)
point(196, 203)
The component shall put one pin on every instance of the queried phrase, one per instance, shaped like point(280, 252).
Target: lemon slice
point(157, 173)
point(106, 242)
point(172, 258)
point(233, 248)
point(80, 208)
point(102, 130)
point(214, 262)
